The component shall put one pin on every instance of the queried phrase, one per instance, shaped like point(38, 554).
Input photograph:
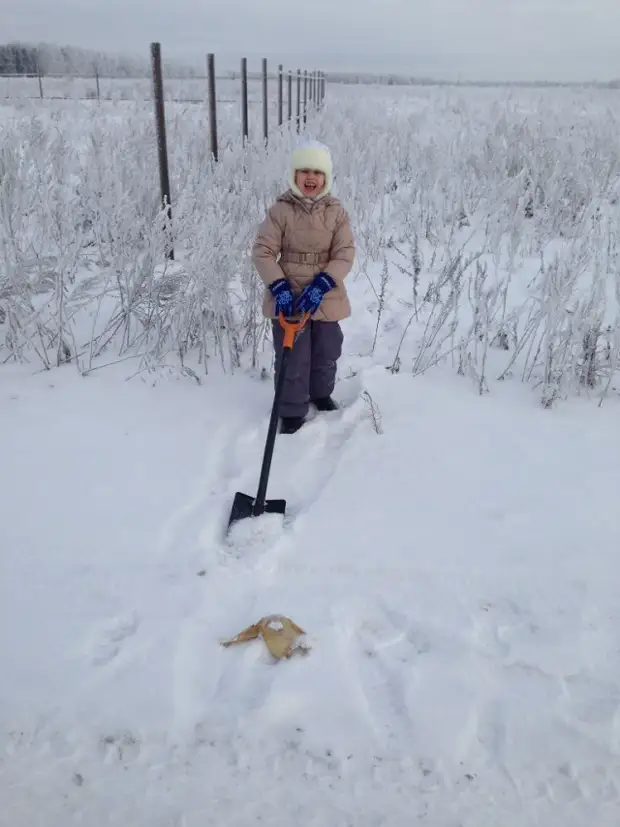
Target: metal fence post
point(212, 105)
point(160, 122)
point(290, 94)
point(265, 104)
point(244, 100)
point(298, 100)
point(280, 95)
point(305, 96)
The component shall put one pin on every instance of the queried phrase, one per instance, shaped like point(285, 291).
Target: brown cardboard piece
point(280, 633)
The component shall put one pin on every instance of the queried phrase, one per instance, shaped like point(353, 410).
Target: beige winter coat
point(299, 239)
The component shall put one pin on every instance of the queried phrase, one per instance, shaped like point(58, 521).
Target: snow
point(455, 575)
point(450, 554)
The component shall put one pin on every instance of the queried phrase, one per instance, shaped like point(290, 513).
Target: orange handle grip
point(292, 328)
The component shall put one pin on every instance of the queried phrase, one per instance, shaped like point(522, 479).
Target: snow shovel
point(245, 506)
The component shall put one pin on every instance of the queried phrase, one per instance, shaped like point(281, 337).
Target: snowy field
point(14, 89)
point(451, 535)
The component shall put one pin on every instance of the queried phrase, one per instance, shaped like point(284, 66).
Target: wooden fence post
point(212, 105)
point(160, 122)
point(244, 100)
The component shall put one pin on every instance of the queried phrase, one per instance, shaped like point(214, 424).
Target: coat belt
point(304, 258)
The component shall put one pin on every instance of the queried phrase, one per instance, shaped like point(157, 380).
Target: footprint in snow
point(112, 637)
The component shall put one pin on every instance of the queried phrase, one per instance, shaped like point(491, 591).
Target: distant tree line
point(48, 59)
point(355, 78)
point(16, 59)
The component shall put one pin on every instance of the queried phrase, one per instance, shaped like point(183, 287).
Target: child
point(303, 251)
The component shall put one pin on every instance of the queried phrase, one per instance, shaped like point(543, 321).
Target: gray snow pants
point(311, 369)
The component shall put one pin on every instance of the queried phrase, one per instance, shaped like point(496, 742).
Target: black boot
point(325, 404)
point(291, 424)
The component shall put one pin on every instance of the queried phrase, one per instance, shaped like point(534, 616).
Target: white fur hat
point(311, 155)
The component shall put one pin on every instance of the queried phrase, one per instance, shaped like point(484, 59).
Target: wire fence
point(297, 90)
point(285, 97)
point(310, 93)
point(308, 85)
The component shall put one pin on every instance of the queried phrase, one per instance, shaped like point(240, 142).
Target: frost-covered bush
point(499, 210)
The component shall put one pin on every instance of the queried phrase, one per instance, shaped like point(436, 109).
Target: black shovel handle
point(291, 330)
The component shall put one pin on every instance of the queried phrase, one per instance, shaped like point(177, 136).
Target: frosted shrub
point(500, 216)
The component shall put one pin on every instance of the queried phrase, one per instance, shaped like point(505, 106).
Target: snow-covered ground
point(456, 575)
point(452, 556)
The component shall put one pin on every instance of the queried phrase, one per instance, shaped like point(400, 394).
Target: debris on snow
point(281, 635)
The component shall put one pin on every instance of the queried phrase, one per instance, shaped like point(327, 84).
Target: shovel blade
point(243, 507)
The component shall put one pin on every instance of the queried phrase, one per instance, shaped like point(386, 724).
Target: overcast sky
point(471, 39)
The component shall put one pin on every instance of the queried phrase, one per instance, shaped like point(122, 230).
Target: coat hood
point(311, 155)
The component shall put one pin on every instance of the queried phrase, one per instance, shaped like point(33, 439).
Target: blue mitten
point(312, 295)
point(282, 293)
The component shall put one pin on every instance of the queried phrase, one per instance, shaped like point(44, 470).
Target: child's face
point(310, 181)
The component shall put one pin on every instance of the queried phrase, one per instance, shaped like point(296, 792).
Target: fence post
point(97, 84)
point(290, 94)
point(244, 99)
point(265, 103)
point(305, 96)
point(280, 95)
point(212, 105)
point(298, 99)
point(160, 122)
